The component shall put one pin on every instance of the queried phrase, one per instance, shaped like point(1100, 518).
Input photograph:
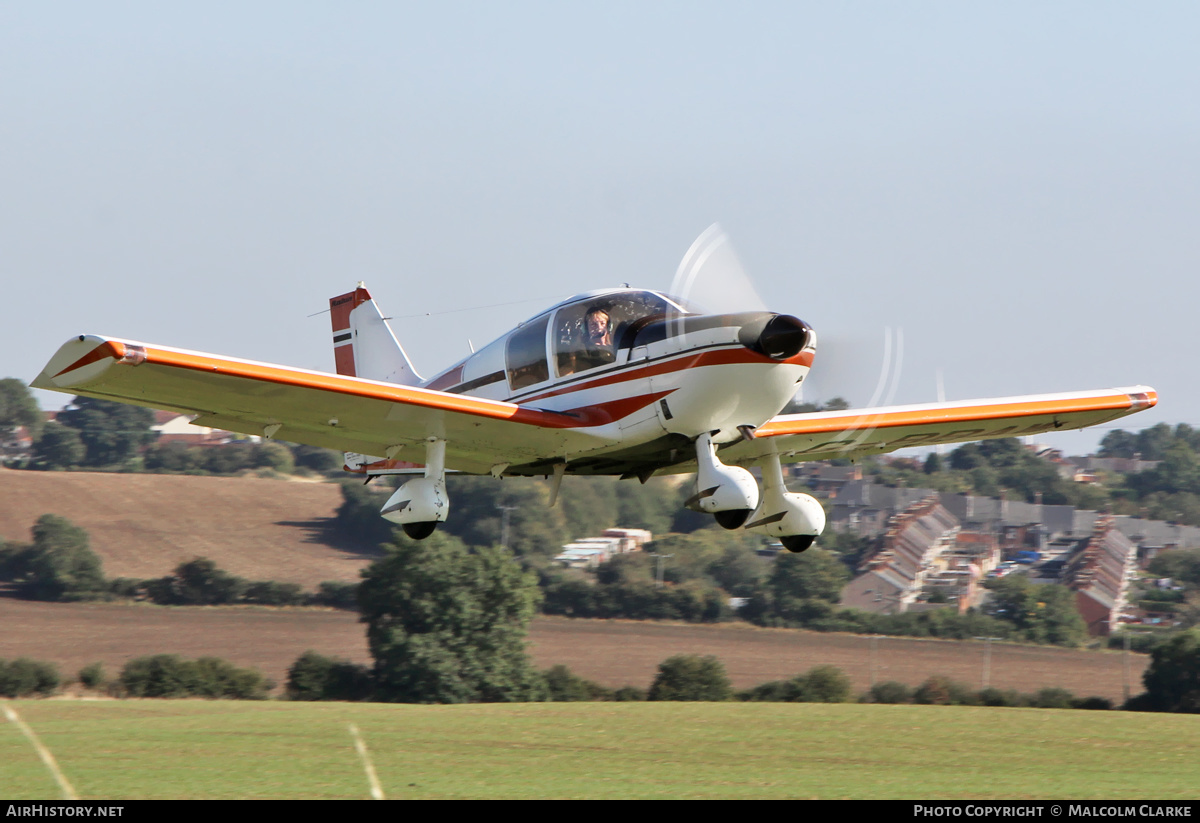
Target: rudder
point(363, 342)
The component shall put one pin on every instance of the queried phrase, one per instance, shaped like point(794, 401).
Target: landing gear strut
point(728, 492)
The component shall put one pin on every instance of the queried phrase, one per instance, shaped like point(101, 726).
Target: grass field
point(201, 749)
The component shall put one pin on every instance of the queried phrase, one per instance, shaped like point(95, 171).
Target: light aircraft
point(626, 382)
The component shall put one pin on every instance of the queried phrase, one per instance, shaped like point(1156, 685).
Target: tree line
point(60, 565)
point(1168, 491)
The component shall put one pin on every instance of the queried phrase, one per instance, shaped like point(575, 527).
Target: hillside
point(143, 525)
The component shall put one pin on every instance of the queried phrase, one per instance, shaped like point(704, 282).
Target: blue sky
point(1015, 185)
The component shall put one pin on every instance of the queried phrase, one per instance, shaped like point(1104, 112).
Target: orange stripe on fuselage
point(965, 414)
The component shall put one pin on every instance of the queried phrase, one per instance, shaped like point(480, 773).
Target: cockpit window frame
point(525, 354)
point(574, 350)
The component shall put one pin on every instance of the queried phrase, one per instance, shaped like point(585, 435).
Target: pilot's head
point(596, 327)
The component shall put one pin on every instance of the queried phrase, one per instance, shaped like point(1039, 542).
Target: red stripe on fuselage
point(717, 357)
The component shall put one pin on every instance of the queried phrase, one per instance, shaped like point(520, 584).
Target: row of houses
point(864, 508)
point(928, 557)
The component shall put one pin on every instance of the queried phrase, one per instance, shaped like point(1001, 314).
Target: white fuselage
point(657, 377)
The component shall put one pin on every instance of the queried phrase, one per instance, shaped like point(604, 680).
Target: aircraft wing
point(333, 411)
point(858, 432)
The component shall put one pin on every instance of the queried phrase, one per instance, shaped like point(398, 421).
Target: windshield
point(587, 334)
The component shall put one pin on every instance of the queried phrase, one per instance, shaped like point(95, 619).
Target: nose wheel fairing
point(421, 503)
point(730, 492)
point(796, 520)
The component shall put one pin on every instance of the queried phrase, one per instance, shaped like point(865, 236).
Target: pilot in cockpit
point(596, 348)
point(598, 332)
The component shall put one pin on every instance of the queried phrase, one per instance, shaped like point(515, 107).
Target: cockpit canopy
point(584, 333)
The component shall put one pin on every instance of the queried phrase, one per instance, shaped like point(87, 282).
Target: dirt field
point(612, 652)
point(144, 525)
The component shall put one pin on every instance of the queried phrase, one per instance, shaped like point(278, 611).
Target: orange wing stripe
point(400, 394)
point(965, 414)
point(583, 417)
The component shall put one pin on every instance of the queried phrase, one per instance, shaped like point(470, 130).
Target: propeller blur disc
point(711, 278)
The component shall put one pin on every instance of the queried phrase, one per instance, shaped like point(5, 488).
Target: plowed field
point(144, 525)
point(612, 652)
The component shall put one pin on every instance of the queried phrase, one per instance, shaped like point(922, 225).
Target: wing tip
point(1142, 397)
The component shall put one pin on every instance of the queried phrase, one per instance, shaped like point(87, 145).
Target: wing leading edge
point(857, 432)
point(333, 411)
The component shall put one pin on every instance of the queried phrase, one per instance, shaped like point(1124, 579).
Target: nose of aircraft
point(778, 336)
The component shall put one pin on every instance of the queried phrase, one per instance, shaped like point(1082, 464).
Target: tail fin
point(363, 343)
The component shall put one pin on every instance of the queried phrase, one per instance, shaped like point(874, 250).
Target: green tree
point(477, 510)
point(1181, 564)
point(448, 626)
point(198, 582)
point(563, 686)
point(18, 408)
point(890, 691)
point(823, 684)
point(358, 515)
point(172, 457)
point(691, 677)
point(1178, 471)
point(111, 432)
point(646, 506)
point(1040, 613)
point(589, 505)
point(1173, 678)
point(323, 461)
point(274, 456)
point(933, 463)
point(801, 589)
point(23, 677)
point(316, 677)
point(942, 691)
point(1119, 443)
point(59, 447)
point(168, 675)
point(61, 564)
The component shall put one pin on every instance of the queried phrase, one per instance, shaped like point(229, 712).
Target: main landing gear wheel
point(733, 518)
point(797, 542)
point(419, 531)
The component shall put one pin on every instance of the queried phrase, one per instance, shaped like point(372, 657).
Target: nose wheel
point(797, 543)
point(734, 518)
point(419, 531)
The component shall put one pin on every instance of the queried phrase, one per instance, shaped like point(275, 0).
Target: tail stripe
point(343, 340)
